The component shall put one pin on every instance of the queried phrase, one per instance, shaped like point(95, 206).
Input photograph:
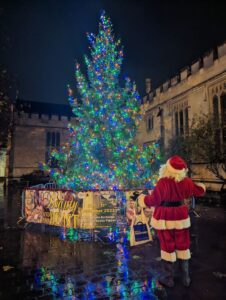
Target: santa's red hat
point(176, 164)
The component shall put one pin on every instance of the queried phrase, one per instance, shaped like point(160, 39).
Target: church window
point(150, 123)
point(223, 117)
point(181, 122)
point(176, 124)
point(53, 139)
point(223, 109)
point(57, 139)
point(186, 121)
point(162, 128)
point(215, 109)
point(52, 142)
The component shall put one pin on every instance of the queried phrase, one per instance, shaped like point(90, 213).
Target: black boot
point(185, 273)
point(166, 276)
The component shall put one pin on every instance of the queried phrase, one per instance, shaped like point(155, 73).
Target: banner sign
point(106, 209)
point(85, 210)
point(59, 208)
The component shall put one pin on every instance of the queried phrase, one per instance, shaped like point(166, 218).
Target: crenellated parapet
point(213, 61)
point(42, 114)
point(37, 120)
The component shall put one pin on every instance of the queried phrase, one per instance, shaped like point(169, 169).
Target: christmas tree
point(102, 152)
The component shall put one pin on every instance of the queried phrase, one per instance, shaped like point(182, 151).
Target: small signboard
point(106, 209)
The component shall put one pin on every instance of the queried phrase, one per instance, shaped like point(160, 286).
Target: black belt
point(172, 203)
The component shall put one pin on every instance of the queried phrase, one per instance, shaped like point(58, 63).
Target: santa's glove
point(145, 192)
point(141, 200)
point(202, 185)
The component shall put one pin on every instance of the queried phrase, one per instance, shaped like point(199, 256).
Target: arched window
point(150, 123)
point(162, 128)
point(223, 117)
point(53, 139)
point(215, 109)
point(223, 109)
point(186, 121)
point(176, 124)
point(181, 122)
point(48, 139)
point(52, 142)
point(57, 139)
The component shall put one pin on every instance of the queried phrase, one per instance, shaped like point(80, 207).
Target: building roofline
point(205, 61)
point(45, 108)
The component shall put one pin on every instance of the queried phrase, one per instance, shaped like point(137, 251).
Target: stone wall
point(191, 91)
point(29, 140)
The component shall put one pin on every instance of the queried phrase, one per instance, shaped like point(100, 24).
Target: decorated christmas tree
point(102, 152)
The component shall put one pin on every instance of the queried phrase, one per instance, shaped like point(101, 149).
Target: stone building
point(37, 128)
point(198, 89)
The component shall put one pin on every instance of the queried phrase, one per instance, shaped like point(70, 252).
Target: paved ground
point(38, 265)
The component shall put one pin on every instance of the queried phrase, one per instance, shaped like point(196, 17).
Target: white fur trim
point(168, 224)
point(183, 254)
point(202, 185)
point(168, 256)
point(167, 171)
point(141, 201)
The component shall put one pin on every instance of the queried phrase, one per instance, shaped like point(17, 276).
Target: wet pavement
point(49, 264)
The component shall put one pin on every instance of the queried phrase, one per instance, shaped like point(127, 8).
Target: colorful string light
point(102, 152)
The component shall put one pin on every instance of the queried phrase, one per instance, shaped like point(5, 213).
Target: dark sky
point(159, 38)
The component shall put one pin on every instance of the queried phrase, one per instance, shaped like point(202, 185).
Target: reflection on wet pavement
point(67, 264)
point(61, 269)
point(44, 262)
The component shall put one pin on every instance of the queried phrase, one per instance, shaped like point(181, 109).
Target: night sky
point(41, 40)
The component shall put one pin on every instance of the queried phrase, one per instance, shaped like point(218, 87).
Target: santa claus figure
point(170, 218)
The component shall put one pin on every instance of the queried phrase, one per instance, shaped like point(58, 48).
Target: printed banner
point(54, 207)
point(85, 210)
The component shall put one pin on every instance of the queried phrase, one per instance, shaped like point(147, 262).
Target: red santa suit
point(170, 218)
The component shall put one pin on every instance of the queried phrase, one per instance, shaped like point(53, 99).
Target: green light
point(102, 151)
